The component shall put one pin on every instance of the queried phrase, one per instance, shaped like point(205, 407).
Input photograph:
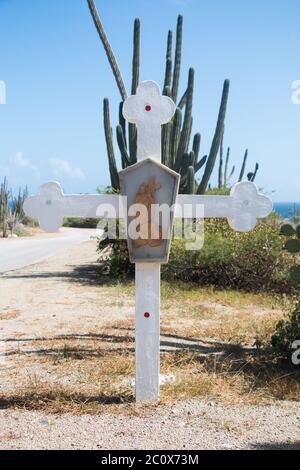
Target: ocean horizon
point(287, 210)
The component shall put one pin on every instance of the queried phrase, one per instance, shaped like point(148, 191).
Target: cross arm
point(242, 208)
point(51, 206)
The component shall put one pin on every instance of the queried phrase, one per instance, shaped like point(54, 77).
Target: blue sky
point(56, 75)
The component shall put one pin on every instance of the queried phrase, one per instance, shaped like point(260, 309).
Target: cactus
point(252, 176)
point(4, 207)
point(227, 177)
point(108, 49)
point(216, 140)
point(110, 146)
point(169, 61)
point(190, 185)
point(176, 136)
point(243, 169)
point(224, 179)
point(221, 175)
point(136, 56)
point(178, 54)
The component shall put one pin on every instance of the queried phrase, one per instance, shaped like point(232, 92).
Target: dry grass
point(207, 342)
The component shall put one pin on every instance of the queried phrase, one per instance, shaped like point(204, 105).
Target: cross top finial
point(149, 110)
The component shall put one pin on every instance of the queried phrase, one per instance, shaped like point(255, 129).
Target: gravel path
point(193, 425)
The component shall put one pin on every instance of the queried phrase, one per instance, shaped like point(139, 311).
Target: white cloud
point(63, 168)
point(21, 162)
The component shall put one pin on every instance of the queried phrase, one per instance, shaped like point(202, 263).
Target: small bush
point(75, 222)
point(287, 331)
point(251, 261)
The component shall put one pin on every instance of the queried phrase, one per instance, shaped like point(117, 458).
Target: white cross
point(149, 110)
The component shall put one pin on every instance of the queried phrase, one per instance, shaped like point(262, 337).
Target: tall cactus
point(243, 169)
point(176, 136)
point(252, 176)
point(216, 140)
point(108, 49)
point(221, 163)
point(110, 146)
point(178, 54)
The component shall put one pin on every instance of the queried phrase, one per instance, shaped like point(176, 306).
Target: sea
point(287, 210)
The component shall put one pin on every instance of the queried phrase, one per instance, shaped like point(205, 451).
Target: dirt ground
point(67, 363)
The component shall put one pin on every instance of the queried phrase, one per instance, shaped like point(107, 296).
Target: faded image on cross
point(149, 180)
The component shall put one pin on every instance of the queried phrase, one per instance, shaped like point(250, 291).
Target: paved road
point(18, 253)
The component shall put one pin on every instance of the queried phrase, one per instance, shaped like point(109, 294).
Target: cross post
point(149, 110)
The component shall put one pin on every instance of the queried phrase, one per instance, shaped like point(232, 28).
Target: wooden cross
point(149, 110)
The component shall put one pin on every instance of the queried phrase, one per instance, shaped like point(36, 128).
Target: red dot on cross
point(148, 108)
point(147, 315)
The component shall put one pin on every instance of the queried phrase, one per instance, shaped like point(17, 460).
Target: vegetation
point(179, 151)
point(286, 332)
point(251, 261)
point(93, 370)
point(11, 208)
point(293, 246)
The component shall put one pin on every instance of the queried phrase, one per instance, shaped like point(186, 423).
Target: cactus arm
point(108, 49)
point(231, 174)
point(187, 124)
point(196, 146)
point(135, 83)
point(166, 135)
point(216, 140)
point(178, 53)
point(122, 122)
point(200, 164)
point(221, 163)
point(110, 147)
point(136, 56)
point(255, 172)
point(243, 169)
point(122, 147)
point(177, 122)
point(190, 184)
point(169, 62)
point(182, 102)
point(226, 167)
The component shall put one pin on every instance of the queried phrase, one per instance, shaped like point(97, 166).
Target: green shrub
point(250, 261)
point(287, 331)
point(76, 222)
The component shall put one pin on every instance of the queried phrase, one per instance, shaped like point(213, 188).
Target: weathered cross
point(144, 183)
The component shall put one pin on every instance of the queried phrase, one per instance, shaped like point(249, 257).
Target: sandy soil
point(60, 297)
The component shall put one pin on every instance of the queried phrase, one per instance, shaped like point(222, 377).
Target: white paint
point(161, 110)
point(243, 207)
point(149, 111)
point(147, 331)
point(149, 122)
point(51, 206)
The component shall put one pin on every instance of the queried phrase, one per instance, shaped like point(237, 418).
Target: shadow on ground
point(277, 446)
